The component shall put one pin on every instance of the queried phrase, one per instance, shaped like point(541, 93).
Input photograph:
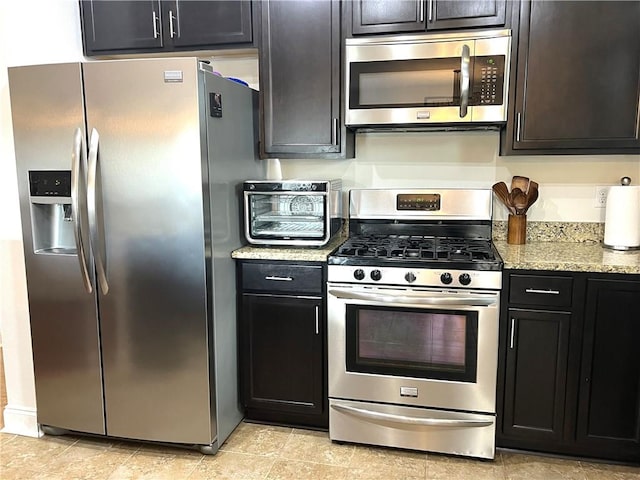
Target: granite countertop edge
point(287, 253)
point(589, 257)
point(550, 256)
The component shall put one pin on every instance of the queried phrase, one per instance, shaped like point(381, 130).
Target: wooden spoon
point(532, 194)
point(520, 182)
point(502, 192)
point(519, 200)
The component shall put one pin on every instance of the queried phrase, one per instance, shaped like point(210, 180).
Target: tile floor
point(268, 452)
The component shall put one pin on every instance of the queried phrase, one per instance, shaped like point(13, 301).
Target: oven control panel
point(422, 277)
point(429, 202)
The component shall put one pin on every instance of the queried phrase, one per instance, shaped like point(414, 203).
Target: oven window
point(440, 344)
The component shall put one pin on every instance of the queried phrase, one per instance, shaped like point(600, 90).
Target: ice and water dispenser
point(51, 214)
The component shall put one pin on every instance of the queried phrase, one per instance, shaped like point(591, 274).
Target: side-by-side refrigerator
point(129, 177)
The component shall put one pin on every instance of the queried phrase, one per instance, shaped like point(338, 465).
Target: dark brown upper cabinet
point(402, 16)
point(300, 63)
point(575, 88)
point(112, 27)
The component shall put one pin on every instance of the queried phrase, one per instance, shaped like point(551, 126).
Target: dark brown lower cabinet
point(609, 400)
point(282, 344)
point(537, 367)
point(569, 374)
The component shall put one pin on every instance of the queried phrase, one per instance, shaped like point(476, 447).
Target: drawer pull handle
point(546, 292)
point(279, 279)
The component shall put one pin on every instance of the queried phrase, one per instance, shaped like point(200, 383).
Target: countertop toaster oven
point(292, 212)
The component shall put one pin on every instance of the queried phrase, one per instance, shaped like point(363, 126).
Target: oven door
point(415, 347)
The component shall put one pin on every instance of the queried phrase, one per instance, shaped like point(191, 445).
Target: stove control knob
point(446, 278)
point(410, 277)
point(358, 274)
point(376, 275)
point(465, 279)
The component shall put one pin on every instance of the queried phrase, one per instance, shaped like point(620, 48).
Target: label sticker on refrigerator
point(173, 76)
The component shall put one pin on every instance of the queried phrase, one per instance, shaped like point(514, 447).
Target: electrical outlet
point(600, 200)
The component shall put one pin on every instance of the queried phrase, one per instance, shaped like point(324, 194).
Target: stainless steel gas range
point(413, 307)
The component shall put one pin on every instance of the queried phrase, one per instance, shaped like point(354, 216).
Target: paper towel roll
point(273, 170)
point(622, 218)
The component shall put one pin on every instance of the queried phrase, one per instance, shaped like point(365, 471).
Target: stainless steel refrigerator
point(129, 177)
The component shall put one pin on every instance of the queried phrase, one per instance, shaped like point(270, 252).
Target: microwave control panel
point(488, 80)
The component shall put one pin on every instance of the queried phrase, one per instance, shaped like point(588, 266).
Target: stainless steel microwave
point(428, 80)
point(292, 212)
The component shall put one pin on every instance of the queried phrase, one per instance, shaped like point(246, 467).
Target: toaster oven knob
point(358, 274)
point(410, 277)
point(446, 278)
point(464, 279)
point(376, 275)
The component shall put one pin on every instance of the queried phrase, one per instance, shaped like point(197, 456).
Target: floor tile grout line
point(195, 467)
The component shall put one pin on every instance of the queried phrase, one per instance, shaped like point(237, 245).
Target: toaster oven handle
point(429, 422)
point(464, 80)
point(415, 299)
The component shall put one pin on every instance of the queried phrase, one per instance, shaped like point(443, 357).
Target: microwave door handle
point(464, 80)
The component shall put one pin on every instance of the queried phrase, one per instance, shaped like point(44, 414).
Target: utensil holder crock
point(517, 230)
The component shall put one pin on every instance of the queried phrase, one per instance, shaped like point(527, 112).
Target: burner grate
point(417, 248)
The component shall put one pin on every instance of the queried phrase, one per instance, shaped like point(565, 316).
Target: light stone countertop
point(568, 256)
point(572, 247)
point(302, 254)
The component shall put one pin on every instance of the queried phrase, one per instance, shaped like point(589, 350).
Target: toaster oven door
point(286, 218)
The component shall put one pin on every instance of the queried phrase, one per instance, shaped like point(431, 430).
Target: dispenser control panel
point(50, 183)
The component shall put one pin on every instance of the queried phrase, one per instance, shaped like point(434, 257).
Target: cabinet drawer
point(271, 277)
point(541, 290)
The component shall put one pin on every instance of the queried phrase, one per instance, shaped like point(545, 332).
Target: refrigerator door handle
point(76, 174)
point(92, 210)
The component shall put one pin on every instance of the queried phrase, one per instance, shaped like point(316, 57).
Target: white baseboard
point(21, 421)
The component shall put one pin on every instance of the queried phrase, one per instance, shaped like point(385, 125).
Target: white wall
point(48, 31)
point(471, 160)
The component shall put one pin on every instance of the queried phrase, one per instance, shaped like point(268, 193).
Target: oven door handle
point(428, 422)
point(415, 299)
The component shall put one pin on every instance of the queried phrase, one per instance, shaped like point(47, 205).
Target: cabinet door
point(449, 14)
point(122, 25)
point(609, 401)
point(282, 353)
point(536, 375)
point(578, 76)
point(388, 16)
point(300, 78)
point(196, 24)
